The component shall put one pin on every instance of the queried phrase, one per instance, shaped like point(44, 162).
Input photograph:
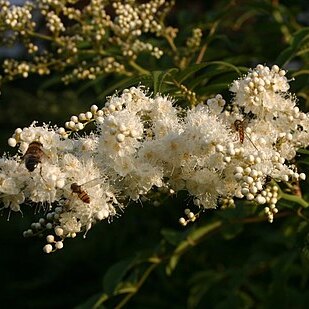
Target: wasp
point(81, 193)
point(239, 126)
point(33, 155)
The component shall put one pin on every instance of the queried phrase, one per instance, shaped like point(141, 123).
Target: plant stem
point(138, 286)
point(137, 67)
point(294, 198)
point(204, 47)
point(171, 43)
point(40, 36)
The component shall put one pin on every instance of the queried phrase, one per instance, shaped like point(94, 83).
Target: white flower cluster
point(217, 152)
point(60, 176)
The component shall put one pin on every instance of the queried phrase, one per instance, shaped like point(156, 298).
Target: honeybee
point(81, 193)
point(33, 155)
point(240, 126)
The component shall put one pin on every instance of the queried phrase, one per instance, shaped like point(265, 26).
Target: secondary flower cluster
point(107, 35)
point(217, 152)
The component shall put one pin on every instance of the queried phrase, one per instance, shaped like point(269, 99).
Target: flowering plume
point(216, 151)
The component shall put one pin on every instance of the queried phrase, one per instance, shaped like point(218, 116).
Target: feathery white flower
point(144, 142)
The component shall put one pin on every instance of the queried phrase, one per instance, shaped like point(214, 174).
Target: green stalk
point(138, 68)
point(294, 198)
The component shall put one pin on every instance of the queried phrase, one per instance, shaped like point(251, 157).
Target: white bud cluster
point(195, 40)
point(78, 123)
point(127, 19)
point(251, 182)
point(139, 46)
point(17, 68)
point(54, 22)
point(190, 217)
point(47, 136)
point(42, 224)
point(32, 48)
point(127, 26)
point(17, 17)
point(271, 210)
point(135, 20)
point(261, 86)
point(227, 202)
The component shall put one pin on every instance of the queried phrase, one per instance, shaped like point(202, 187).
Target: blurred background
point(252, 264)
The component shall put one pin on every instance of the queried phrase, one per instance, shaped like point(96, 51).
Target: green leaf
point(214, 88)
point(300, 72)
point(294, 199)
point(231, 231)
point(173, 237)
point(220, 67)
point(115, 274)
point(184, 74)
point(199, 233)
point(172, 264)
point(158, 79)
point(303, 151)
point(299, 38)
point(285, 56)
point(200, 284)
point(50, 82)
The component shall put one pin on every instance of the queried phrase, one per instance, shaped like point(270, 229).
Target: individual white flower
point(120, 136)
point(123, 166)
point(13, 176)
point(70, 163)
point(162, 107)
point(69, 224)
point(136, 100)
point(151, 151)
point(86, 145)
point(43, 185)
point(216, 104)
point(141, 179)
point(203, 131)
point(14, 201)
point(168, 149)
point(205, 185)
point(165, 125)
point(8, 185)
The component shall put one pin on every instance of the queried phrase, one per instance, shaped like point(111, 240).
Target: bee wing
point(92, 183)
point(245, 122)
point(248, 137)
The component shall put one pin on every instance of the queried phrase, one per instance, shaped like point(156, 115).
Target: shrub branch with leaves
point(168, 128)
